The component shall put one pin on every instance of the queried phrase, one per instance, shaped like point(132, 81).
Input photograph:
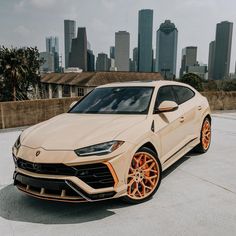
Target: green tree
point(229, 85)
point(19, 71)
point(193, 80)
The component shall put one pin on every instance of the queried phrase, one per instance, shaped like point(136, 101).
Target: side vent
point(153, 127)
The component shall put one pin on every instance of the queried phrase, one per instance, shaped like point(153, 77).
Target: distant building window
point(80, 92)
point(66, 90)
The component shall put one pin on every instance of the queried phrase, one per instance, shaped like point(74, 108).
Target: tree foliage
point(193, 80)
point(19, 72)
point(227, 85)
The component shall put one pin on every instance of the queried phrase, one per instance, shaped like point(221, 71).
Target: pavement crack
point(210, 182)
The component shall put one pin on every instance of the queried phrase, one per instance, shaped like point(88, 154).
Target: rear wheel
point(144, 176)
point(205, 139)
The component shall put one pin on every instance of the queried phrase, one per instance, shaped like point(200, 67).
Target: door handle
point(199, 108)
point(181, 119)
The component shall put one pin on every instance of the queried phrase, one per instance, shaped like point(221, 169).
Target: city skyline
point(196, 31)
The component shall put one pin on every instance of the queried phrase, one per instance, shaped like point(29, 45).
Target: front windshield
point(116, 100)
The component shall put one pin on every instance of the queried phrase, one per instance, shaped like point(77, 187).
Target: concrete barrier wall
point(24, 113)
point(221, 100)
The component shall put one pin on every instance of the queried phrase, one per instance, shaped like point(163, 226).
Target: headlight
point(17, 143)
point(99, 149)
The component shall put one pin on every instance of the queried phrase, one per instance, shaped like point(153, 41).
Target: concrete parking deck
point(197, 197)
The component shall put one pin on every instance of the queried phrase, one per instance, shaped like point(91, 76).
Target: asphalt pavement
point(197, 196)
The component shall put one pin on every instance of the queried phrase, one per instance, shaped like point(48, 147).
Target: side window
point(165, 93)
point(183, 93)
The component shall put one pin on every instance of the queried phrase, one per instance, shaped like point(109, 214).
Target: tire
point(205, 138)
point(144, 176)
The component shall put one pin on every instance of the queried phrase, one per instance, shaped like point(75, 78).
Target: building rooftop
point(94, 79)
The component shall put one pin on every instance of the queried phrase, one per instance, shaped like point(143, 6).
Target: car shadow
point(178, 163)
point(16, 206)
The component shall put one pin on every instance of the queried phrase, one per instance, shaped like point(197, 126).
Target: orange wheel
point(144, 176)
point(205, 140)
point(206, 134)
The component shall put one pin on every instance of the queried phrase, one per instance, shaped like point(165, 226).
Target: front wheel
point(205, 139)
point(144, 176)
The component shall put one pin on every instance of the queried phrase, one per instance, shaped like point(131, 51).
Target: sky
point(29, 22)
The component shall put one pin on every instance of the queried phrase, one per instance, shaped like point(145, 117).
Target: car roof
point(146, 83)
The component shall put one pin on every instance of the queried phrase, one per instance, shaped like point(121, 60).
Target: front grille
point(95, 175)
point(47, 169)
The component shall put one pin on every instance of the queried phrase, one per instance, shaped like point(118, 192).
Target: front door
point(169, 126)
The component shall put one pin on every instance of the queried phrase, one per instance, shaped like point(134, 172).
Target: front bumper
point(56, 189)
point(75, 183)
point(63, 176)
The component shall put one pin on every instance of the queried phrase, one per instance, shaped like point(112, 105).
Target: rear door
point(189, 106)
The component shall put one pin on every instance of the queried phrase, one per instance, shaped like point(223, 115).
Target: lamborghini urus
point(115, 142)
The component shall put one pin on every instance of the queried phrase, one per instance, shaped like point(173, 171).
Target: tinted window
point(116, 100)
point(183, 93)
point(165, 93)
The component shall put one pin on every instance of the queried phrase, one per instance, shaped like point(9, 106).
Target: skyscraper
point(112, 52)
point(102, 62)
point(48, 62)
point(145, 28)
point(211, 59)
point(122, 47)
point(112, 63)
point(223, 42)
point(189, 58)
point(166, 49)
point(91, 60)
point(52, 46)
point(78, 54)
point(135, 59)
point(69, 34)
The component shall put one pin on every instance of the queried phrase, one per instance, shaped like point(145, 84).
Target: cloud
point(99, 25)
point(110, 5)
point(19, 6)
point(21, 30)
point(42, 3)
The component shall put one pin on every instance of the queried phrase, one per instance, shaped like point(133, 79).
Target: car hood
point(71, 131)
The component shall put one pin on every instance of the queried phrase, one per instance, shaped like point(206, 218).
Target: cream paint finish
point(72, 131)
point(57, 138)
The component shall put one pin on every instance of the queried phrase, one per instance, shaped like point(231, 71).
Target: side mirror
point(72, 104)
point(167, 106)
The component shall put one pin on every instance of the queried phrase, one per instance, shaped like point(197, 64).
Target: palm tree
point(12, 67)
point(20, 70)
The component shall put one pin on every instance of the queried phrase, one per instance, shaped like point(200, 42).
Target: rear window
point(183, 93)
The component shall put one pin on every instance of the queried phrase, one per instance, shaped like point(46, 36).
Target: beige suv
point(115, 142)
